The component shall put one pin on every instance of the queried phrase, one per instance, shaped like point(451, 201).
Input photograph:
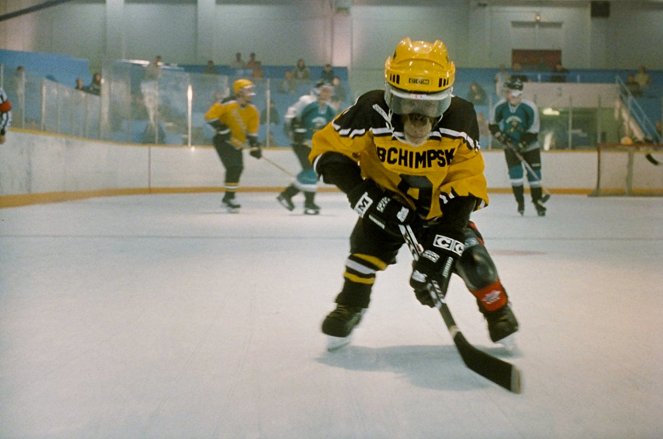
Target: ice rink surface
point(164, 317)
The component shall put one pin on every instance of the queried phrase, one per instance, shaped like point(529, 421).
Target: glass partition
point(137, 106)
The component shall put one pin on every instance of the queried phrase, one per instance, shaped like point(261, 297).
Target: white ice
point(164, 317)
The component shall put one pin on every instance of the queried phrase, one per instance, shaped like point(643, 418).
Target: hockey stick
point(279, 167)
point(546, 194)
point(240, 145)
point(492, 368)
point(652, 160)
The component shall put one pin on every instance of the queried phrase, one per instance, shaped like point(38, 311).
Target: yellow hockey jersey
point(448, 164)
point(243, 121)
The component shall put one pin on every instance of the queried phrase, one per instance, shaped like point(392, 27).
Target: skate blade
point(336, 343)
point(283, 203)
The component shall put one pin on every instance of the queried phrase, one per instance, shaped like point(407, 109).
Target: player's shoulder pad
point(459, 116)
point(367, 112)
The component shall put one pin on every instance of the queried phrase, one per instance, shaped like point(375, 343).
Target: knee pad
point(476, 268)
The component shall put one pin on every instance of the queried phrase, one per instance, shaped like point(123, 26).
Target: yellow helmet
point(419, 71)
point(243, 85)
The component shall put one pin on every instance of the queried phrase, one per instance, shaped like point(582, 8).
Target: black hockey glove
point(501, 137)
point(380, 207)
point(432, 270)
point(255, 149)
point(298, 132)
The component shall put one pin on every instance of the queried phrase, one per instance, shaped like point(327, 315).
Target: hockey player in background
point(308, 115)
point(236, 121)
point(515, 123)
point(5, 115)
point(409, 154)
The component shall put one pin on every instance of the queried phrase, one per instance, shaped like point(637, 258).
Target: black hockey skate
point(311, 209)
point(230, 204)
point(521, 208)
point(285, 201)
point(540, 208)
point(501, 323)
point(338, 325)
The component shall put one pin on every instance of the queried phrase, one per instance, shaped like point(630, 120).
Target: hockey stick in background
point(492, 368)
point(650, 158)
point(239, 145)
point(514, 150)
point(279, 167)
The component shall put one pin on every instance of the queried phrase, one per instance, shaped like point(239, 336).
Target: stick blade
point(652, 160)
point(492, 368)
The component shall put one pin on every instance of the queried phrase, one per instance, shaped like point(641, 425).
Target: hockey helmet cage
point(514, 86)
point(419, 78)
point(322, 84)
point(243, 85)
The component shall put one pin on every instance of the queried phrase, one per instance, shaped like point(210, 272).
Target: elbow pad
point(339, 170)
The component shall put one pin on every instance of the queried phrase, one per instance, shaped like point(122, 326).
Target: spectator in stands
point(79, 85)
point(5, 115)
point(559, 73)
point(501, 77)
point(327, 73)
point(477, 95)
point(643, 79)
point(256, 70)
point(253, 62)
point(153, 69)
point(633, 86)
point(210, 69)
point(339, 96)
point(238, 63)
point(517, 72)
point(288, 83)
point(302, 72)
point(95, 85)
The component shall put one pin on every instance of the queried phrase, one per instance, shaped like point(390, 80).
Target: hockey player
point(308, 115)
point(409, 154)
point(515, 123)
point(236, 121)
point(5, 115)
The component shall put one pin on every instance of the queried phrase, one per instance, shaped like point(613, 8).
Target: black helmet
point(514, 84)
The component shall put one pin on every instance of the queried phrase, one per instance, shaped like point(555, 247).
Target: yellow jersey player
point(409, 154)
point(236, 122)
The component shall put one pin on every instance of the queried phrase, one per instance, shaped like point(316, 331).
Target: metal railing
point(643, 129)
point(134, 107)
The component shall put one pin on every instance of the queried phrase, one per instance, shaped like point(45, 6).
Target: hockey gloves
point(255, 149)
point(501, 137)
point(298, 132)
point(377, 206)
point(432, 270)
